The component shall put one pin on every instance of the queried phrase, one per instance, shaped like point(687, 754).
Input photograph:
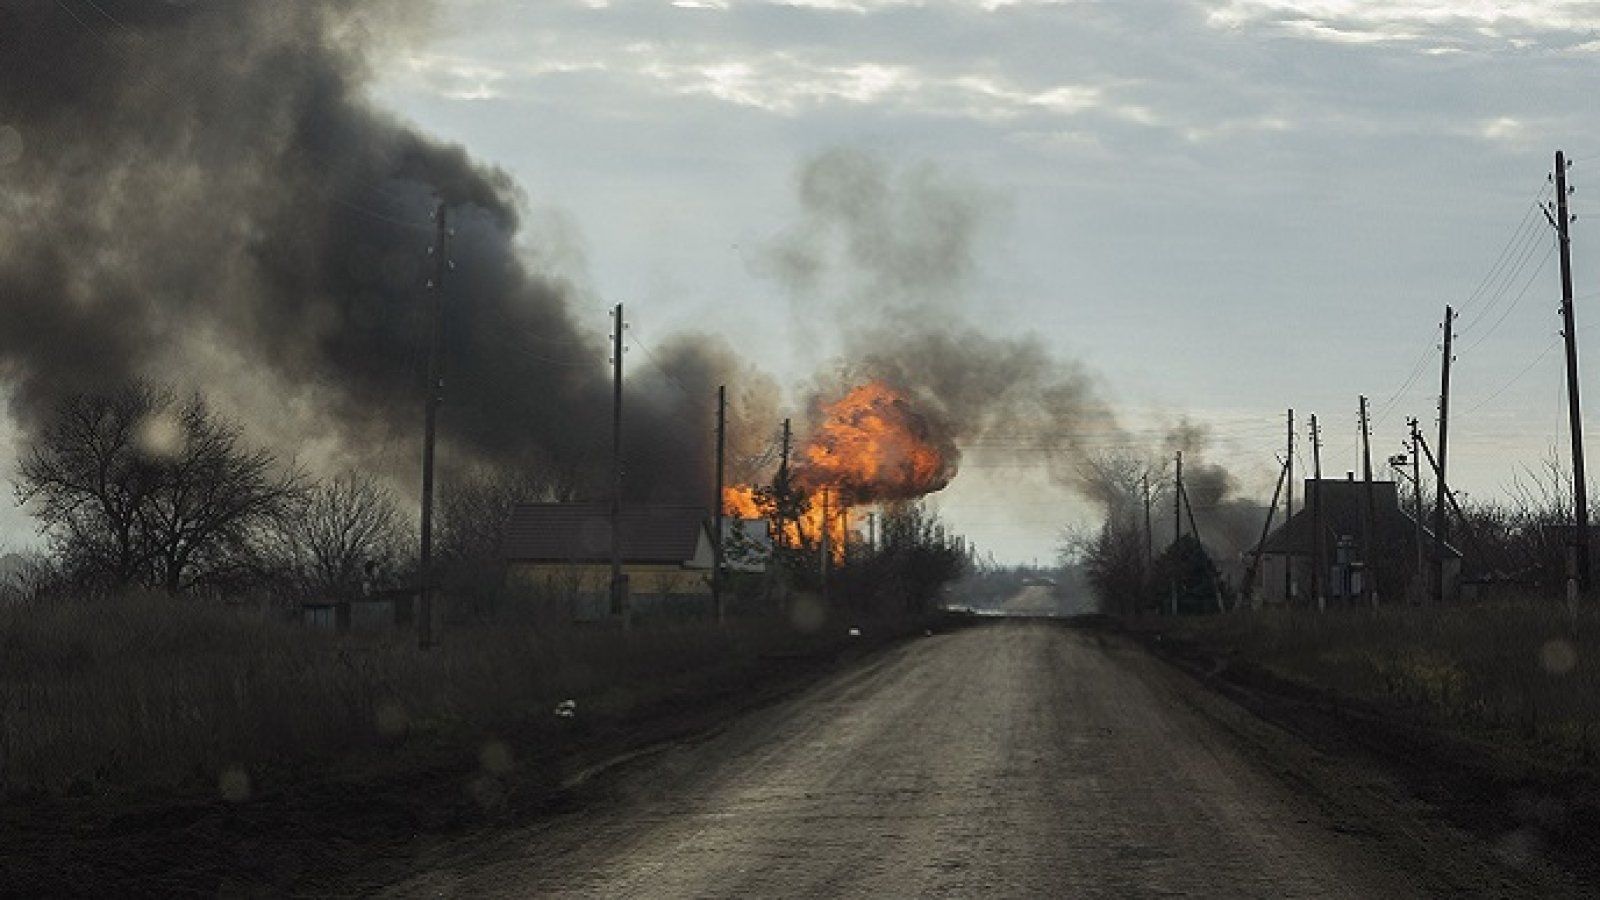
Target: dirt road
point(1016, 759)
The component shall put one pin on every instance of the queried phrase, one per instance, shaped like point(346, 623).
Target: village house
point(1289, 554)
point(563, 551)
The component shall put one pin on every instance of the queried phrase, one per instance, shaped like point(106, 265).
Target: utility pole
point(1177, 500)
point(1177, 528)
point(1416, 484)
point(1248, 587)
point(619, 582)
point(1288, 504)
point(435, 390)
point(781, 489)
point(718, 520)
point(1194, 529)
point(1149, 532)
point(1441, 525)
point(1369, 566)
point(1318, 558)
point(1580, 489)
point(822, 544)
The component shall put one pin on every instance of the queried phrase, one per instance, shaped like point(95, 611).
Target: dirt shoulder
point(1530, 813)
point(307, 828)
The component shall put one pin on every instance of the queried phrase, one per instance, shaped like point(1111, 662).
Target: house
point(1285, 572)
point(564, 550)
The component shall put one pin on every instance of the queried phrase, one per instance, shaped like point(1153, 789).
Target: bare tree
point(133, 488)
point(342, 533)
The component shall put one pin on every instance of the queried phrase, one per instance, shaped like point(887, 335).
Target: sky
point(1219, 208)
point(1223, 209)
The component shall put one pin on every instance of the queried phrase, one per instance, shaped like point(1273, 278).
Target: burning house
point(868, 448)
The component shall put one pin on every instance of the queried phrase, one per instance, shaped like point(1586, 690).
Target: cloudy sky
point(1221, 208)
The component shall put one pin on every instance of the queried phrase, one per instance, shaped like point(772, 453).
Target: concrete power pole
point(718, 548)
point(1580, 488)
point(1288, 503)
point(435, 390)
point(1319, 561)
point(1440, 523)
point(1369, 512)
point(619, 583)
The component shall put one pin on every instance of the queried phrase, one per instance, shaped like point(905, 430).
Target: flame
point(746, 502)
point(870, 446)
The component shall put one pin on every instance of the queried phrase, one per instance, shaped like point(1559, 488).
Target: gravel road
point(1016, 759)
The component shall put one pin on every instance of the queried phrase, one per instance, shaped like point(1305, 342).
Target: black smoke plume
point(202, 194)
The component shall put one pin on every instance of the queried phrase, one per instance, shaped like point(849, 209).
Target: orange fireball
point(870, 446)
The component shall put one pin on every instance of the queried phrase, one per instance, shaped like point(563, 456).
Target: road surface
point(1016, 759)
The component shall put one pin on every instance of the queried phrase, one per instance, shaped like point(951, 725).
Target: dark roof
point(1342, 515)
point(581, 532)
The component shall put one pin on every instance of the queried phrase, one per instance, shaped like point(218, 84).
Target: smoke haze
point(202, 194)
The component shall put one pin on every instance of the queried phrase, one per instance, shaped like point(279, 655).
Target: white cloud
point(1376, 21)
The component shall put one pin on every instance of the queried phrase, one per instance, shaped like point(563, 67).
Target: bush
point(151, 691)
point(1526, 667)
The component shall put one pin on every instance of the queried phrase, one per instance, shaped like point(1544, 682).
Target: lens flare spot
point(160, 435)
point(495, 758)
point(391, 719)
point(10, 145)
point(1558, 656)
point(234, 784)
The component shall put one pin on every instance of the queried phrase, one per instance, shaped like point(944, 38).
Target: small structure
point(1289, 554)
point(563, 550)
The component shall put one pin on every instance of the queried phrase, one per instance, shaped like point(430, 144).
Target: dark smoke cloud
point(201, 193)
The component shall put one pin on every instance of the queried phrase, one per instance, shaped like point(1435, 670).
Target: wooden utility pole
point(430, 418)
point(1318, 559)
point(1569, 331)
point(1441, 526)
point(1369, 512)
point(1416, 484)
point(822, 544)
point(1177, 530)
point(1248, 587)
point(1177, 500)
point(1149, 531)
point(1194, 529)
point(718, 519)
point(781, 489)
point(1288, 503)
point(619, 583)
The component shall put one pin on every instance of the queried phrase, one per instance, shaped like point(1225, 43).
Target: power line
point(1515, 378)
point(1514, 303)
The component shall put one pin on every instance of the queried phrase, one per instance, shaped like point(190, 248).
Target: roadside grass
point(1528, 670)
point(150, 693)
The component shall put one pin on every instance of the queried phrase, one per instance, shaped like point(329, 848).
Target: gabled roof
point(581, 533)
point(1342, 516)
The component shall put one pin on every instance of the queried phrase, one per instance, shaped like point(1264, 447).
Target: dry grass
point(155, 693)
point(1528, 669)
